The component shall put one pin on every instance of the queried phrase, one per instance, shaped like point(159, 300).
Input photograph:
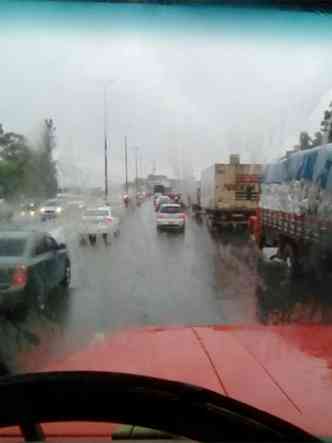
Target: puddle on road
point(256, 289)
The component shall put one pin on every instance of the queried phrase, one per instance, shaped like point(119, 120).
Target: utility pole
point(141, 173)
point(126, 163)
point(105, 146)
point(136, 167)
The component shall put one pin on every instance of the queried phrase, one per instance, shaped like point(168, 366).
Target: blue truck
point(295, 210)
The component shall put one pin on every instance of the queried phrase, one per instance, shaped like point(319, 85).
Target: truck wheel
point(92, 240)
point(292, 260)
point(82, 241)
point(65, 283)
point(37, 292)
point(106, 239)
point(318, 265)
point(210, 224)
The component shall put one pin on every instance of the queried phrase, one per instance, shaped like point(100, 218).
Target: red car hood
point(285, 370)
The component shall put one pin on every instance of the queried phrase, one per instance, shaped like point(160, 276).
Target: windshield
point(170, 209)
point(129, 109)
point(12, 247)
point(51, 203)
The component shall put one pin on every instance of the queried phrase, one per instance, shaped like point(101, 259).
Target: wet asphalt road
point(149, 278)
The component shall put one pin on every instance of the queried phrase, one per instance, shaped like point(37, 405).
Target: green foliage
point(318, 140)
point(321, 137)
point(305, 141)
point(24, 170)
point(8, 178)
point(326, 124)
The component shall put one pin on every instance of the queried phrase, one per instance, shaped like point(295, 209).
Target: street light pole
point(141, 166)
point(136, 167)
point(105, 145)
point(126, 164)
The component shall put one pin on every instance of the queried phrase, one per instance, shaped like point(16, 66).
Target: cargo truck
point(229, 193)
point(159, 189)
point(295, 210)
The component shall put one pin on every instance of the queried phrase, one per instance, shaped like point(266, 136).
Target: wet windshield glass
point(11, 247)
point(111, 108)
point(51, 203)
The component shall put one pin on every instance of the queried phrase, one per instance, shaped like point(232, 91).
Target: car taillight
point(109, 220)
point(20, 277)
point(183, 216)
point(161, 215)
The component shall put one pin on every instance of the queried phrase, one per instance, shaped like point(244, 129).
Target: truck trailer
point(229, 193)
point(295, 210)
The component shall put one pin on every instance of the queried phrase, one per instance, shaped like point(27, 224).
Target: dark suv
point(31, 264)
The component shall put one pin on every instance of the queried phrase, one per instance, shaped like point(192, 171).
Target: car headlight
point(32, 213)
point(58, 210)
point(42, 210)
point(22, 212)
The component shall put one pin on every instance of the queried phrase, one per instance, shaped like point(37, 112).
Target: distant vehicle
point(76, 204)
point(125, 199)
point(155, 197)
point(160, 189)
point(176, 198)
point(229, 193)
point(31, 264)
point(51, 209)
point(194, 199)
point(162, 199)
point(29, 209)
point(140, 196)
point(171, 216)
point(98, 222)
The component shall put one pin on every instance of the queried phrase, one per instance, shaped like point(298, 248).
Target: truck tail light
point(20, 277)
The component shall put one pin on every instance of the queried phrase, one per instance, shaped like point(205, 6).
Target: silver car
point(171, 216)
point(98, 222)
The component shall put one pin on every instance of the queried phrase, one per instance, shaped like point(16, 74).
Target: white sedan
point(98, 222)
point(51, 209)
point(171, 216)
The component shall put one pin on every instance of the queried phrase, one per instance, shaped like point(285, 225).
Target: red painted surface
point(255, 227)
point(173, 353)
point(285, 370)
point(300, 360)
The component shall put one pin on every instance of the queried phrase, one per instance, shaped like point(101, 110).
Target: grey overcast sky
point(187, 85)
